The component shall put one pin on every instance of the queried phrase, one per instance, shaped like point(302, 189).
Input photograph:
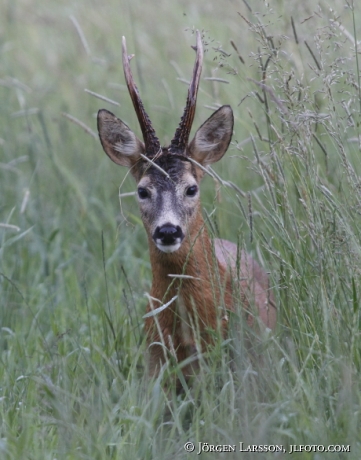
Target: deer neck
point(198, 278)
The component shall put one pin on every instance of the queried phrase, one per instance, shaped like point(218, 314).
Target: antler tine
point(152, 145)
point(180, 139)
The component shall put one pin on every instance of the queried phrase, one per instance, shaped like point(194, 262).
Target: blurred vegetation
point(74, 264)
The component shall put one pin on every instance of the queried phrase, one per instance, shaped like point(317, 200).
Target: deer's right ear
point(118, 140)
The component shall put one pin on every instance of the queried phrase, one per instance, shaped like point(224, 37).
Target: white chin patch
point(168, 248)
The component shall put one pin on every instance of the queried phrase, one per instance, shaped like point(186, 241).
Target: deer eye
point(191, 191)
point(143, 193)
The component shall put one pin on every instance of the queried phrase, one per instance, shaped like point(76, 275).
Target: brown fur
point(206, 296)
point(199, 296)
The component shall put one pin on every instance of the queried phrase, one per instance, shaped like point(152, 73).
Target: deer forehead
point(173, 178)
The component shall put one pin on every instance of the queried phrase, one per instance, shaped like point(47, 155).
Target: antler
point(180, 139)
point(152, 145)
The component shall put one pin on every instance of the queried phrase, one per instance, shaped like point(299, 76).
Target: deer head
point(168, 178)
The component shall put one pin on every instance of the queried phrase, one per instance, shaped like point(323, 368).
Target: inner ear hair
point(119, 142)
point(212, 139)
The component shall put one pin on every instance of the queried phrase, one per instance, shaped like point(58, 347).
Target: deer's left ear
point(212, 139)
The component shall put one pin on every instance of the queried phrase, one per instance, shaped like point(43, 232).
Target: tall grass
point(74, 265)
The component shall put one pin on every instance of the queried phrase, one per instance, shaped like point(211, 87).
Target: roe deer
point(193, 276)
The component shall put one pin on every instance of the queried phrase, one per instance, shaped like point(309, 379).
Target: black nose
point(168, 234)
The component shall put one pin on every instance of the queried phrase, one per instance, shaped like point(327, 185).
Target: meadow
point(74, 264)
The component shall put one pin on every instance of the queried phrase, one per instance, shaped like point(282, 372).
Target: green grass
point(74, 266)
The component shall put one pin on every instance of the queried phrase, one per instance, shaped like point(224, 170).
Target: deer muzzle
point(168, 237)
